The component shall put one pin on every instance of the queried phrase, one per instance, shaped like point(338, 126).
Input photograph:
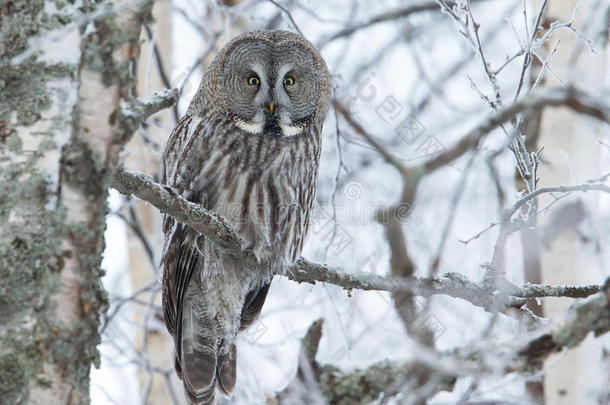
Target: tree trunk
point(571, 156)
point(63, 71)
point(151, 340)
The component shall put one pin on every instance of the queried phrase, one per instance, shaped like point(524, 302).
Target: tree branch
point(391, 159)
point(583, 317)
point(571, 97)
point(168, 201)
point(591, 185)
point(132, 114)
point(384, 17)
point(451, 284)
point(362, 386)
point(592, 314)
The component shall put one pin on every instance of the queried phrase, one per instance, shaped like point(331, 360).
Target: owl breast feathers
point(248, 149)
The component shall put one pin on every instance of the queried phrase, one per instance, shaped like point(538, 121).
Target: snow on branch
point(385, 17)
point(443, 368)
point(571, 97)
point(583, 317)
point(132, 114)
point(169, 202)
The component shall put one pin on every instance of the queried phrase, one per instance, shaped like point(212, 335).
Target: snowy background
point(418, 71)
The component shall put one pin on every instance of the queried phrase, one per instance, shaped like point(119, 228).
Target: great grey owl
point(247, 149)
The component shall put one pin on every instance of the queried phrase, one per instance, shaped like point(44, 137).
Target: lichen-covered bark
point(63, 70)
point(317, 383)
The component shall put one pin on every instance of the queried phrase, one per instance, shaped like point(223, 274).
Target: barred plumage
point(259, 175)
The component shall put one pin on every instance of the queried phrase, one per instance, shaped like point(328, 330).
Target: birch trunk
point(143, 155)
point(63, 70)
point(572, 155)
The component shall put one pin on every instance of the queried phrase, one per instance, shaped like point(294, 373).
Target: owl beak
point(271, 107)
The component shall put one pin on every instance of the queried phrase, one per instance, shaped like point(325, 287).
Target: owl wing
point(177, 262)
point(200, 360)
point(194, 334)
point(181, 258)
point(253, 306)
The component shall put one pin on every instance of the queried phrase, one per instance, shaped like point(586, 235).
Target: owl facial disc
point(272, 116)
point(271, 88)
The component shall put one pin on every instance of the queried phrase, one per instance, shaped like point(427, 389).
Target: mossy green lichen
point(14, 143)
point(359, 386)
point(24, 91)
point(23, 85)
point(35, 226)
point(19, 22)
point(28, 258)
point(364, 386)
point(24, 88)
point(12, 376)
point(31, 259)
point(98, 49)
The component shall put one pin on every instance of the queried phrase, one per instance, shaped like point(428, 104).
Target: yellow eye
point(289, 81)
point(253, 81)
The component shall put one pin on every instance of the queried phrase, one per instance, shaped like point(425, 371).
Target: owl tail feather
point(226, 370)
point(198, 357)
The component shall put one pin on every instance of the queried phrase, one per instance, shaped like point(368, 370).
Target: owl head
point(272, 83)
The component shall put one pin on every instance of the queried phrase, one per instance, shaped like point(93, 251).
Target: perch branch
point(169, 202)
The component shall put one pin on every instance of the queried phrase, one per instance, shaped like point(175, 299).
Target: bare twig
point(556, 189)
point(570, 97)
point(530, 44)
point(582, 318)
point(287, 12)
point(388, 16)
point(132, 114)
point(160, 66)
point(391, 159)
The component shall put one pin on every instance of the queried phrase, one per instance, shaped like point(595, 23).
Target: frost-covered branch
point(132, 114)
point(168, 201)
point(359, 386)
point(401, 264)
point(384, 17)
point(451, 284)
point(583, 317)
point(362, 386)
point(591, 185)
point(400, 260)
point(571, 97)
